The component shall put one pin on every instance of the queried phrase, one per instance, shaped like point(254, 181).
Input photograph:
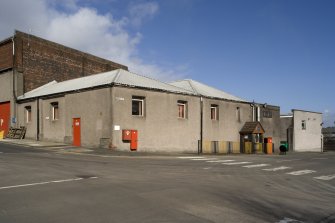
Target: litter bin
point(283, 146)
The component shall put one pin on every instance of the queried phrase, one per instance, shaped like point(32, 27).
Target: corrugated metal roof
point(204, 90)
point(119, 76)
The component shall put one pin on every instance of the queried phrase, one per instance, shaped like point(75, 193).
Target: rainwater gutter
point(13, 74)
point(201, 125)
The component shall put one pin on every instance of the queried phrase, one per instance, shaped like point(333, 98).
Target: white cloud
point(85, 29)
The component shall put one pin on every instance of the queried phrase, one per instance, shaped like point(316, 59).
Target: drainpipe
point(13, 74)
point(201, 125)
point(38, 120)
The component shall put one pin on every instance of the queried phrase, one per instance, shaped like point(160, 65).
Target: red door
point(76, 131)
point(4, 117)
point(133, 142)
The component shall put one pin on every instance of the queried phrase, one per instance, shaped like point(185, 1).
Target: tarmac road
point(41, 185)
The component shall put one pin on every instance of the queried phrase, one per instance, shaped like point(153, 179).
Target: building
point(88, 101)
point(302, 131)
point(28, 62)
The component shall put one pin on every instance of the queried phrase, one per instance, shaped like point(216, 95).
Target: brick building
point(28, 62)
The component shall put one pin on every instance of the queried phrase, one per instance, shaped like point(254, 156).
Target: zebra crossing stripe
point(204, 159)
point(256, 165)
point(278, 168)
point(301, 172)
point(237, 163)
point(220, 161)
point(190, 157)
point(329, 177)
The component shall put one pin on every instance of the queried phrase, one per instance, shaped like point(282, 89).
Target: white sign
point(47, 118)
point(117, 127)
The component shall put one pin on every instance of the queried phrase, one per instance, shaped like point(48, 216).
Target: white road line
point(237, 163)
point(190, 157)
point(279, 161)
point(1, 152)
point(220, 161)
point(323, 158)
point(329, 177)
point(301, 172)
point(278, 168)
point(256, 165)
point(204, 159)
point(45, 182)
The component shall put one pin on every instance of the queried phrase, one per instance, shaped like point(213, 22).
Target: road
point(48, 186)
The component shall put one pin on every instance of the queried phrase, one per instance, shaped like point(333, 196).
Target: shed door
point(76, 131)
point(4, 117)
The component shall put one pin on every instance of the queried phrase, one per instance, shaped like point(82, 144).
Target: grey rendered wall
point(92, 107)
point(31, 132)
point(272, 125)
point(159, 129)
point(52, 130)
point(227, 128)
point(309, 139)
point(285, 123)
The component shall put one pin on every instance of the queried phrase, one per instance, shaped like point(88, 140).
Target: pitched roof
point(252, 128)
point(117, 77)
point(204, 90)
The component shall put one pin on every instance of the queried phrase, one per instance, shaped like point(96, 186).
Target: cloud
point(86, 29)
point(142, 11)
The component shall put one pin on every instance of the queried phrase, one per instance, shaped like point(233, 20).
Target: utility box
point(134, 140)
point(126, 135)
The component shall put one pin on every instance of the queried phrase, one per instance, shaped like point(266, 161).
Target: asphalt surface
point(56, 185)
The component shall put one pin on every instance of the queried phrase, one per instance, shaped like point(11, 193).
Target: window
point(303, 124)
point(28, 114)
point(137, 106)
point(238, 114)
point(55, 110)
point(214, 112)
point(267, 114)
point(182, 109)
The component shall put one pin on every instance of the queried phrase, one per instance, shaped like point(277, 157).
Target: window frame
point(55, 111)
point(182, 114)
point(303, 125)
point(140, 100)
point(215, 108)
point(28, 115)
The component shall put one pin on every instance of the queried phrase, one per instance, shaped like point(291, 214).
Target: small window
point(182, 109)
point(238, 114)
point(55, 110)
point(28, 114)
point(137, 106)
point(267, 114)
point(214, 112)
point(303, 124)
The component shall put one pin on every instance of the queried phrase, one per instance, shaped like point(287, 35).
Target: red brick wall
point(42, 61)
point(6, 55)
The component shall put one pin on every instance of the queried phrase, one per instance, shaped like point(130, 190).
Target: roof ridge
point(193, 88)
point(117, 75)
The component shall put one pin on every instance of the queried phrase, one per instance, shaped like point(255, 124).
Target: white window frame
point(140, 101)
point(183, 105)
point(54, 107)
point(28, 114)
point(214, 108)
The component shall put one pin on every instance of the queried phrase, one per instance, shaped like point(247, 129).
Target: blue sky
point(280, 52)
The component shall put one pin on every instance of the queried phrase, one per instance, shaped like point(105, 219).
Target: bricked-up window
point(28, 114)
point(55, 110)
point(267, 114)
point(214, 112)
point(238, 114)
point(137, 105)
point(182, 109)
point(303, 124)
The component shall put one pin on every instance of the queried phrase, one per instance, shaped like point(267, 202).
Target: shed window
point(137, 106)
point(303, 124)
point(55, 110)
point(182, 109)
point(214, 112)
point(28, 114)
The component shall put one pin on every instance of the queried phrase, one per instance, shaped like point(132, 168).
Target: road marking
point(256, 165)
point(278, 168)
point(288, 220)
point(301, 172)
point(207, 168)
point(319, 158)
point(237, 163)
point(329, 177)
point(204, 159)
point(46, 182)
point(1, 152)
point(279, 161)
point(220, 161)
point(190, 157)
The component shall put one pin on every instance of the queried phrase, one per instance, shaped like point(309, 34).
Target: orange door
point(133, 142)
point(4, 117)
point(76, 131)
